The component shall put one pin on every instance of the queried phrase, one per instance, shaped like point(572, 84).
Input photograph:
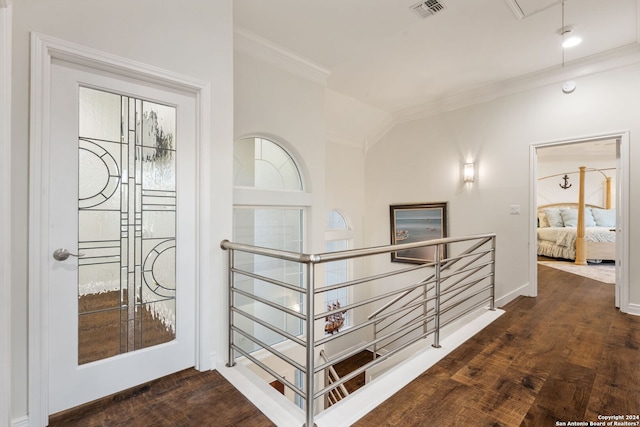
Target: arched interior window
point(336, 221)
point(260, 163)
point(263, 217)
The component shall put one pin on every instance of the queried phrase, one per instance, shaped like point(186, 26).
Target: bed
point(578, 231)
point(558, 232)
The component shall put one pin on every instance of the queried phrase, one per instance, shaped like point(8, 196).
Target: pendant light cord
point(562, 31)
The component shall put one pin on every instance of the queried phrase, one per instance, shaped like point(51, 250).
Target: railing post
point(493, 274)
point(425, 309)
point(309, 380)
point(375, 335)
point(232, 360)
point(436, 308)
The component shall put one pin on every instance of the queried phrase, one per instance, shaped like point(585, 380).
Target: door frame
point(622, 214)
point(44, 50)
point(5, 211)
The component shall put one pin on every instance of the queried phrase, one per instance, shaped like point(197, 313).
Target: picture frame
point(416, 223)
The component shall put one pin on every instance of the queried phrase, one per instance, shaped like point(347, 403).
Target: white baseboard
point(20, 422)
point(633, 309)
point(505, 299)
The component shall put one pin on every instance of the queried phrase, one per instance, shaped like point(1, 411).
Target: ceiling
point(382, 53)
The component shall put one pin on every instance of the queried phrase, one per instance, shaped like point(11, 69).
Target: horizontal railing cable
point(270, 280)
point(377, 298)
point(269, 303)
point(269, 326)
point(269, 348)
point(271, 371)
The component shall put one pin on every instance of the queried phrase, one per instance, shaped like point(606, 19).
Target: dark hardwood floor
point(567, 355)
point(351, 364)
point(187, 398)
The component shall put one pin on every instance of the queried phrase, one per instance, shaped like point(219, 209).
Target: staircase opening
point(397, 314)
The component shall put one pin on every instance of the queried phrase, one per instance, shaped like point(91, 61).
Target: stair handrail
point(428, 318)
point(448, 263)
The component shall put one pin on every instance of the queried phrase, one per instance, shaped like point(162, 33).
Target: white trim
point(622, 237)
point(43, 50)
point(623, 220)
point(634, 309)
point(506, 299)
point(533, 233)
point(20, 422)
point(262, 49)
point(6, 254)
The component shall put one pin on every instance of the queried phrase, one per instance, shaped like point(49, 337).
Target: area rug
point(605, 272)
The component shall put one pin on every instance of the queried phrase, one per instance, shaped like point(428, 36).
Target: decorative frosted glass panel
point(100, 115)
point(260, 163)
point(127, 224)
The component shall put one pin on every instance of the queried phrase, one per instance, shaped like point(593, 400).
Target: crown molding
point(380, 132)
point(364, 140)
point(617, 58)
point(263, 49)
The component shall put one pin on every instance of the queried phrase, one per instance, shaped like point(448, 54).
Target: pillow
point(570, 217)
point(604, 217)
point(542, 220)
point(554, 217)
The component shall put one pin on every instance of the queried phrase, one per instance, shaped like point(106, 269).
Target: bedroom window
point(338, 236)
point(269, 211)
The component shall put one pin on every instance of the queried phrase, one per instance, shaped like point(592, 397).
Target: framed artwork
point(418, 223)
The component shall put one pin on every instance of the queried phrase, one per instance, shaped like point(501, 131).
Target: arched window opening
point(261, 163)
point(262, 217)
point(336, 221)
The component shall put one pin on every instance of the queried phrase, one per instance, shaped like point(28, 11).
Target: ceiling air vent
point(427, 8)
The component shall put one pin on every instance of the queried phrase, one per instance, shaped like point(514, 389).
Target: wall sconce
point(469, 173)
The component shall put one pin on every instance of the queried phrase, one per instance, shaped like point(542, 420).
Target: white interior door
point(122, 170)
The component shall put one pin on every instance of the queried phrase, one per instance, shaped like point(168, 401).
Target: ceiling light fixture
point(569, 39)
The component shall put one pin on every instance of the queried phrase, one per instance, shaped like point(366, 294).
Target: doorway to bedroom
point(577, 192)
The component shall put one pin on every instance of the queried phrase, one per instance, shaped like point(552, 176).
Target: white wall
point(549, 190)
point(289, 109)
point(193, 39)
point(420, 161)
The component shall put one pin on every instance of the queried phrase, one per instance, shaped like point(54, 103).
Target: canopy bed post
point(581, 252)
point(608, 193)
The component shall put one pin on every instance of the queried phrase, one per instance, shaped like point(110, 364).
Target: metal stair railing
point(408, 310)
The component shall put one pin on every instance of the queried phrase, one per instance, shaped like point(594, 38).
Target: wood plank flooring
point(351, 364)
point(187, 398)
point(567, 355)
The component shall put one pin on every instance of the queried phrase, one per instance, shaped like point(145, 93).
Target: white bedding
point(566, 236)
point(559, 242)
